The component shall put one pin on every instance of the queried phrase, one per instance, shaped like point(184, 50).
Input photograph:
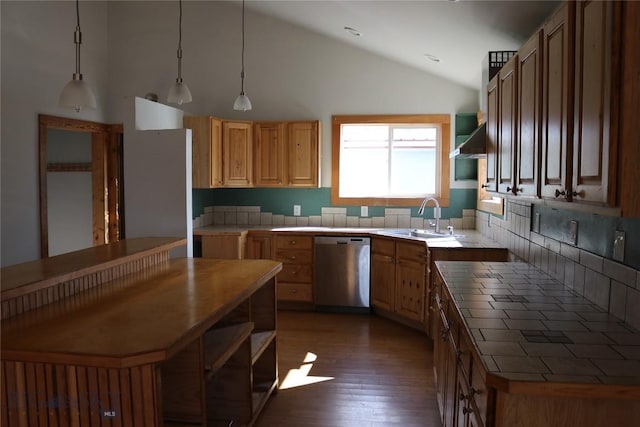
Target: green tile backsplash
point(281, 201)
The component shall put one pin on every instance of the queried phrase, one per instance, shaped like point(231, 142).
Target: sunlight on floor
point(300, 377)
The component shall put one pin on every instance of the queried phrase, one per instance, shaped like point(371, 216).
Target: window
point(390, 160)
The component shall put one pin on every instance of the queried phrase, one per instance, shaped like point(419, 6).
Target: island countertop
point(144, 317)
point(529, 328)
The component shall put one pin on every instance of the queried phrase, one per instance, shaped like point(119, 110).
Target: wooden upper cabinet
point(269, 154)
point(629, 195)
point(597, 65)
point(206, 150)
point(492, 141)
point(237, 141)
point(557, 101)
point(303, 153)
point(529, 117)
point(507, 126)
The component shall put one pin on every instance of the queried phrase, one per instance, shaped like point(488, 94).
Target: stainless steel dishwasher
point(341, 273)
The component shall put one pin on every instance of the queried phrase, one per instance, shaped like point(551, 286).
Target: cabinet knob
point(293, 242)
point(509, 189)
point(466, 410)
point(484, 186)
point(293, 257)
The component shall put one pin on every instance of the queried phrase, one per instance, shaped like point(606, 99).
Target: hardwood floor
point(368, 372)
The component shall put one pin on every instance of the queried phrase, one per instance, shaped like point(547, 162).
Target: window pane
point(371, 166)
point(413, 172)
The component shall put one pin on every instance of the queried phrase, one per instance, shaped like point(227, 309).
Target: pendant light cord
point(77, 37)
point(179, 80)
point(242, 71)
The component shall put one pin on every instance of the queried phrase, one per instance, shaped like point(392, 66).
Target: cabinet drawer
point(412, 252)
point(294, 256)
point(300, 292)
point(383, 247)
point(294, 241)
point(295, 273)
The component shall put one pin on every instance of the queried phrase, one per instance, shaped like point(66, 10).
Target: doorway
point(81, 184)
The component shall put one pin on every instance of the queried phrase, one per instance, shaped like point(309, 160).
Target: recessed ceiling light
point(432, 57)
point(352, 31)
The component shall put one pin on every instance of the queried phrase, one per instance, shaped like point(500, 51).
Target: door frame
point(106, 176)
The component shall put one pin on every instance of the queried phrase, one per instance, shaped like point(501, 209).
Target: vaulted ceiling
point(458, 33)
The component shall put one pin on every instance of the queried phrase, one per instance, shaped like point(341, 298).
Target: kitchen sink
point(422, 233)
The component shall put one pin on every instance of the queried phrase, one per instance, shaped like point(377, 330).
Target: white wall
point(157, 173)
point(291, 73)
point(38, 58)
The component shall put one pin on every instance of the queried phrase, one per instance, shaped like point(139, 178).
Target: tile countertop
point(528, 327)
point(462, 239)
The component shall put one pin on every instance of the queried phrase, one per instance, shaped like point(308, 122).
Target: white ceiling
point(459, 33)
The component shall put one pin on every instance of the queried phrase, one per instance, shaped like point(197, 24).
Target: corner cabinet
point(399, 280)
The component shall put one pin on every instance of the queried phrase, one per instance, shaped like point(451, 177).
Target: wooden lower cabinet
point(398, 279)
point(259, 245)
point(295, 280)
point(460, 376)
point(224, 246)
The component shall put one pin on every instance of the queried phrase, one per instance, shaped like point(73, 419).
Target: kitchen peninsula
point(122, 334)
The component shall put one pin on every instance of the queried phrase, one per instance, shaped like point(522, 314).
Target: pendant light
point(243, 103)
point(76, 93)
point(179, 93)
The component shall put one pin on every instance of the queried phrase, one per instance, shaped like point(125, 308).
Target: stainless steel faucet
point(436, 215)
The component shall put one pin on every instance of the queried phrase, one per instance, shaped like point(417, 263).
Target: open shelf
point(221, 343)
point(259, 342)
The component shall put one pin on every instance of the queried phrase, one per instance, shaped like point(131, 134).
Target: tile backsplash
point(329, 217)
point(611, 285)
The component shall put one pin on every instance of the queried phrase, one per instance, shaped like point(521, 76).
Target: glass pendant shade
point(242, 103)
point(179, 93)
point(77, 94)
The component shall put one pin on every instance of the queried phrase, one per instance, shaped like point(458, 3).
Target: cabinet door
point(302, 154)
point(269, 154)
point(236, 148)
point(493, 144)
point(507, 128)
point(383, 273)
point(259, 247)
point(529, 117)
point(206, 151)
point(595, 103)
point(557, 96)
point(223, 246)
point(410, 289)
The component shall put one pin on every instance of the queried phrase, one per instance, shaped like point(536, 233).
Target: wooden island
point(124, 335)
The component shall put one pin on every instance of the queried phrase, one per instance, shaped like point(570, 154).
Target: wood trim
point(68, 167)
point(103, 218)
point(113, 185)
point(99, 189)
point(444, 120)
